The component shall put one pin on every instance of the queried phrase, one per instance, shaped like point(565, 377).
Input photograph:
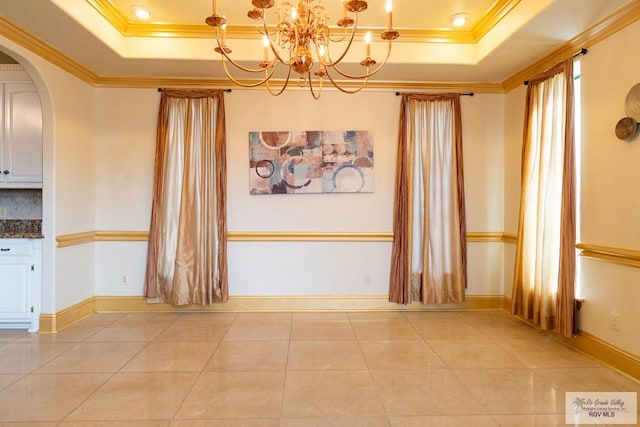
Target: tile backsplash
point(21, 204)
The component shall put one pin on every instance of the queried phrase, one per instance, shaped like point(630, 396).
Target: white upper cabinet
point(21, 138)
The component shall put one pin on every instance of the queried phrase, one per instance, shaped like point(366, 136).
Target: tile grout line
point(366, 362)
point(117, 371)
point(286, 369)
point(33, 373)
point(204, 367)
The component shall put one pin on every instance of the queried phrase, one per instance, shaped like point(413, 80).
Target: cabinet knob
point(5, 172)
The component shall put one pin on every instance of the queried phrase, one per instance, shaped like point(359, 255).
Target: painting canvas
point(310, 162)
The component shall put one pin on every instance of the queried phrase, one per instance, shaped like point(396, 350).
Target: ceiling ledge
point(615, 22)
point(601, 30)
point(127, 28)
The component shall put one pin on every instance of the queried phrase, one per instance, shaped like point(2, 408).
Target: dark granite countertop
point(21, 229)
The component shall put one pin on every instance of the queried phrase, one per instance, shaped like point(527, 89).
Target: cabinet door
point(3, 176)
point(15, 288)
point(22, 156)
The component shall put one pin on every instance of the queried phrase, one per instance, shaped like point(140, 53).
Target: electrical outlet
point(366, 279)
point(3, 212)
point(123, 279)
point(614, 321)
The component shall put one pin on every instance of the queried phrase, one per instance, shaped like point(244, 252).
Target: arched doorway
point(33, 202)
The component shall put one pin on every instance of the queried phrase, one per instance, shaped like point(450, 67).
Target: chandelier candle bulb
point(389, 11)
point(265, 43)
point(344, 9)
point(367, 40)
point(215, 6)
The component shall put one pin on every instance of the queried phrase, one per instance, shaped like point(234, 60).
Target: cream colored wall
point(75, 197)
point(483, 150)
point(68, 276)
point(610, 187)
point(125, 143)
point(483, 139)
point(125, 129)
point(514, 123)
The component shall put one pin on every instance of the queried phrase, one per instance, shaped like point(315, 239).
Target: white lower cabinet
point(19, 266)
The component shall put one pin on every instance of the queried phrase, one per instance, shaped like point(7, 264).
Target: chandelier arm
point(313, 93)
point(226, 71)
point(339, 39)
point(284, 86)
point(279, 92)
point(234, 63)
point(353, 34)
point(367, 74)
point(271, 45)
point(341, 89)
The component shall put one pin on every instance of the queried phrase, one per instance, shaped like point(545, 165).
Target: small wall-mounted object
point(627, 127)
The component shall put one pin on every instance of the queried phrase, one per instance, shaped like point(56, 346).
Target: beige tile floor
point(294, 369)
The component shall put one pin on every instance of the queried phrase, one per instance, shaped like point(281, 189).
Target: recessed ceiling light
point(141, 12)
point(459, 19)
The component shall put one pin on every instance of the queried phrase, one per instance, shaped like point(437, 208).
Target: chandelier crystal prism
point(303, 44)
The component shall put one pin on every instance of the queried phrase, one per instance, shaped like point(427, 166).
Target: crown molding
point(372, 86)
point(11, 68)
point(477, 87)
point(500, 9)
point(134, 29)
point(111, 14)
point(41, 48)
point(14, 73)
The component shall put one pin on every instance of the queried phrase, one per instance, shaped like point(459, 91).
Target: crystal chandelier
point(303, 44)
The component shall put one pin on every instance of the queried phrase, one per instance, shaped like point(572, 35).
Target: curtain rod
point(225, 90)
point(582, 51)
point(461, 94)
